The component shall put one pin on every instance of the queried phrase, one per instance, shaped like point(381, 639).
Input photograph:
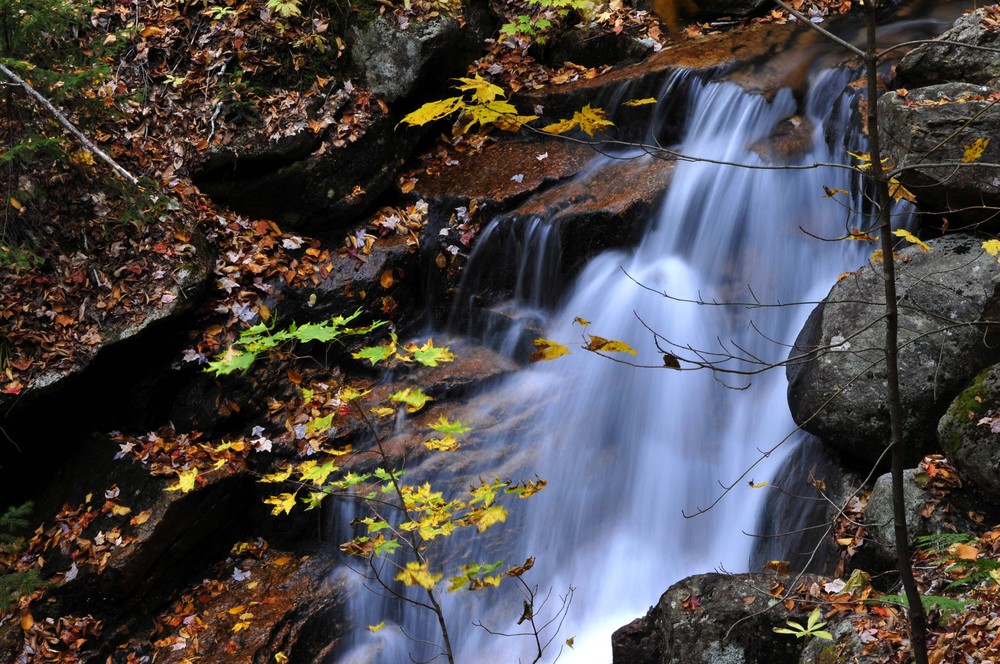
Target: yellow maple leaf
point(417, 574)
point(547, 350)
point(446, 444)
point(900, 193)
point(279, 476)
point(282, 503)
point(482, 91)
point(992, 247)
point(433, 110)
point(185, 481)
point(640, 102)
point(490, 516)
point(975, 150)
point(560, 127)
point(602, 345)
point(910, 237)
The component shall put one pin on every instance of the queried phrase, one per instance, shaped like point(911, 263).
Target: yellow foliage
point(483, 92)
point(185, 481)
point(602, 345)
point(992, 247)
point(548, 350)
point(279, 476)
point(640, 102)
point(975, 150)
point(446, 444)
point(490, 516)
point(910, 237)
point(588, 119)
point(434, 110)
point(282, 503)
point(417, 574)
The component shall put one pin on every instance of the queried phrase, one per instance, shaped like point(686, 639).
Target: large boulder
point(707, 619)
point(932, 133)
point(960, 54)
point(837, 381)
point(395, 59)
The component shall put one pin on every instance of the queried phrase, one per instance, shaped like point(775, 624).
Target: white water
point(626, 450)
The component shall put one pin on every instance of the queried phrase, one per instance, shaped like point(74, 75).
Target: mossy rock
point(967, 436)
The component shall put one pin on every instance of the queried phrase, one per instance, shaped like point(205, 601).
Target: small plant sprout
point(814, 627)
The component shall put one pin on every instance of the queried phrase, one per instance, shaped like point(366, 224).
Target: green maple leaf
point(429, 355)
point(413, 397)
point(444, 425)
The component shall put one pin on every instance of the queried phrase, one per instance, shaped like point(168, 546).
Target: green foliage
point(262, 338)
point(537, 26)
point(946, 605)
point(813, 627)
point(13, 584)
point(285, 8)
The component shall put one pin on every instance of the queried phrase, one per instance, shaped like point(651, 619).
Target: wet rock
point(812, 485)
point(969, 444)
point(746, 50)
point(505, 174)
point(595, 212)
point(934, 63)
point(707, 619)
point(937, 125)
point(395, 59)
point(838, 391)
point(790, 140)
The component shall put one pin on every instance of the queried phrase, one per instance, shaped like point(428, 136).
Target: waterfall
point(626, 451)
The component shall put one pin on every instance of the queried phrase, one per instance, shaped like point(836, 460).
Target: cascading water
point(626, 450)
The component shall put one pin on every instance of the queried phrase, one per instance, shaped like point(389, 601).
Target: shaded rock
point(395, 59)
point(385, 284)
point(711, 9)
point(287, 604)
point(936, 125)
point(813, 483)
point(934, 63)
point(972, 446)
point(190, 278)
point(327, 187)
point(179, 531)
point(709, 618)
point(593, 47)
point(837, 391)
point(924, 516)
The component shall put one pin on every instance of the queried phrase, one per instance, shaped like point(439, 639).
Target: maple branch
point(64, 121)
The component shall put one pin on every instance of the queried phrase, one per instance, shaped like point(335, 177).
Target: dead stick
point(64, 121)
